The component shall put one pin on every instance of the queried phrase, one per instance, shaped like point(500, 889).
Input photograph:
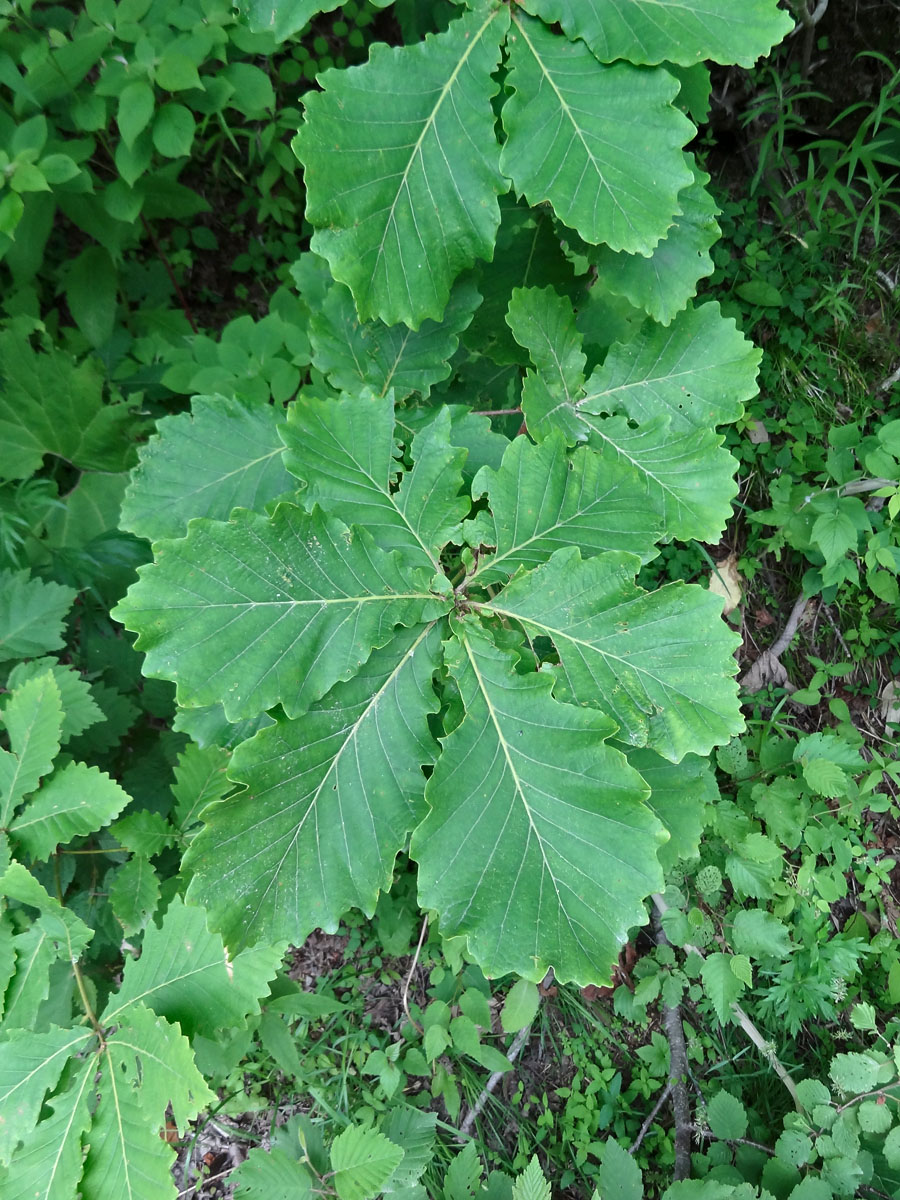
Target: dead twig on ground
point(678, 1069)
point(405, 994)
point(768, 668)
point(465, 1130)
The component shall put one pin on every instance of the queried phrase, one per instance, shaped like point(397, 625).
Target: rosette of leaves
point(464, 670)
point(441, 618)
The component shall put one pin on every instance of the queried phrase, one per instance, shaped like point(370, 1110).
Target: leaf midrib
point(426, 128)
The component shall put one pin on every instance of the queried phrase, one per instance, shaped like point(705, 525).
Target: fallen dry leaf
point(726, 582)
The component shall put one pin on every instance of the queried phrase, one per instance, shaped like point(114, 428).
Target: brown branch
point(678, 1070)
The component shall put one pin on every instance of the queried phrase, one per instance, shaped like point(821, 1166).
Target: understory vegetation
point(449, 643)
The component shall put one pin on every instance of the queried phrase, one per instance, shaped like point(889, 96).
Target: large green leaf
point(48, 405)
point(30, 1064)
point(284, 17)
point(698, 371)
point(401, 168)
point(75, 800)
point(544, 323)
point(330, 800)
point(680, 795)
point(31, 615)
point(543, 498)
point(662, 284)
point(647, 31)
point(351, 352)
point(185, 975)
point(33, 719)
point(538, 848)
point(688, 478)
point(659, 663)
point(291, 604)
point(603, 144)
point(145, 1065)
point(223, 454)
point(48, 1163)
point(345, 452)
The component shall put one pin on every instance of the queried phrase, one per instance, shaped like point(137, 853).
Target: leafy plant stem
point(76, 970)
point(161, 254)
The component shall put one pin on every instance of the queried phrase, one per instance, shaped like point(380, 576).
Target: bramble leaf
point(659, 663)
point(292, 603)
point(345, 452)
point(602, 143)
point(330, 800)
point(538, 848)
point(363, 1160)
point(531, 1184)
point(645, 31)
point(223, 454)
point(544, 498)
point(401, 168)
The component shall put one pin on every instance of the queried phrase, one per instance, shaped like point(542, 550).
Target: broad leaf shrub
point(439, 616)
point(417, 624)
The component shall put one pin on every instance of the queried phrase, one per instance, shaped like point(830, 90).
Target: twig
point(202, 1182)
point(678, 1070)
point(648, 1121)
point(497, 412)
point(744, 1021)
point(408, 980)
point(714, 1137)
point(890, 381)
point(790, 628)
point(475, 1111)
point(168, 266)
point(768, 1052)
